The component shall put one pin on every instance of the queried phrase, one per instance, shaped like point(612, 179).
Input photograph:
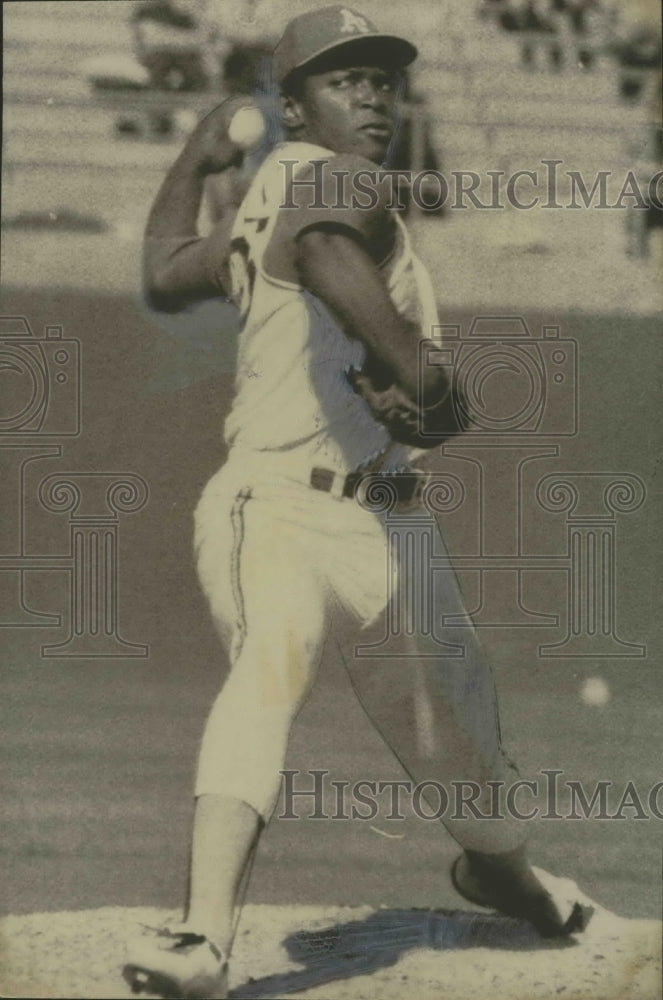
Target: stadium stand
point(485, 111)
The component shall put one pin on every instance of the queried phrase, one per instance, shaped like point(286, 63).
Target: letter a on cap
point(353, 22)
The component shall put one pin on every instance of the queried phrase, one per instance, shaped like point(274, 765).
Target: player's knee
point(281, 664)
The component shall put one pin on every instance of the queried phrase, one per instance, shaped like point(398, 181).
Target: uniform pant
point(281, 565)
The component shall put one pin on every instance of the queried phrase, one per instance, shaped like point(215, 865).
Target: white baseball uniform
point(278, 558)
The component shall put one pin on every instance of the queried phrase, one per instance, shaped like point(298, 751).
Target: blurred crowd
point(553, 33)
point(179, 47)
point(185, 46)
point(559, 33)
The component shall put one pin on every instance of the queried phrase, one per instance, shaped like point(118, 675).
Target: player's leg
point(278, 634)
point(225, 833)
point(431, 696)
point(430, 693)
point(271, 609)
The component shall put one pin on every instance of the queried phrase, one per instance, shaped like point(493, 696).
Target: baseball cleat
point(176, 963)
point(553, 913)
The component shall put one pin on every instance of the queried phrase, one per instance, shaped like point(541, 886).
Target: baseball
point(595, 691)
point(247, 128)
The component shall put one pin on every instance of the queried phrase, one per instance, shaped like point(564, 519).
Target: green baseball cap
point(320, 31)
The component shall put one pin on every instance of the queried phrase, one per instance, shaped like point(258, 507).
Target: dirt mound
point(347, 954)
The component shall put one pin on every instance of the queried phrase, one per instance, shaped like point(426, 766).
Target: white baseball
point(247, 128)
point(595, 691)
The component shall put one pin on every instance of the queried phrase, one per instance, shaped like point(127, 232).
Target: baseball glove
point(407, 421)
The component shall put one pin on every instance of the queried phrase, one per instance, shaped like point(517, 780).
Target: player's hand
point(388, 404)
point(407, 422)
point(210, 146)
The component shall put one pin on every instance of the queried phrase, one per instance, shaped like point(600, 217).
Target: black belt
point(408, 485)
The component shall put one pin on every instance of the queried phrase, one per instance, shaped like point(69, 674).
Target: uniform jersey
point(292, 394)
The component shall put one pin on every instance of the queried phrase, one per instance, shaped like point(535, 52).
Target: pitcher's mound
point(338, 953)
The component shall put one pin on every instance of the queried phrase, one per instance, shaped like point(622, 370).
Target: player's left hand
point(407, 422)
point(387, 404)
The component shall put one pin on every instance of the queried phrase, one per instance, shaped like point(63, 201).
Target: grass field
point(99, 754)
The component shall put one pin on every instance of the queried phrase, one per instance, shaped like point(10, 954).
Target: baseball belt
point(408, 485)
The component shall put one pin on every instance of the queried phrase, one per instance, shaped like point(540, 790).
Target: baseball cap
point(319, 31)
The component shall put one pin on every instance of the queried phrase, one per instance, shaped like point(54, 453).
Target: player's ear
point(292, 112)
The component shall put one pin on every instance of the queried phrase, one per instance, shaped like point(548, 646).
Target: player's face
point(350, 109)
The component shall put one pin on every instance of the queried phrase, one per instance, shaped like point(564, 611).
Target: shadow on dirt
point(362, 947)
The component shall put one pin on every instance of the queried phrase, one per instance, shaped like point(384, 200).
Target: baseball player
point(290, 534)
